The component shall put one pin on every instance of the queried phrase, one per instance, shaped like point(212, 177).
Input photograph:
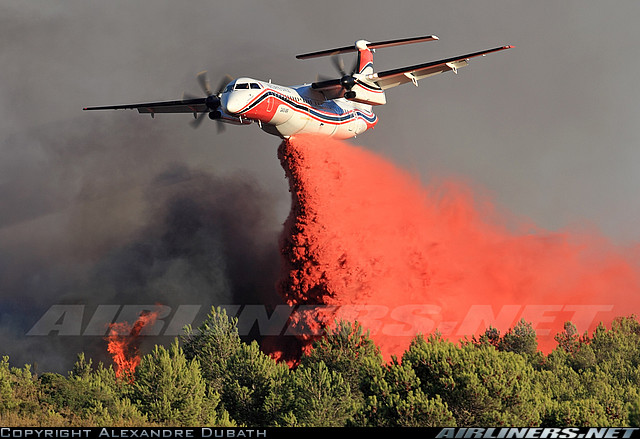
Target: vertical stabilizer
point(365, 58)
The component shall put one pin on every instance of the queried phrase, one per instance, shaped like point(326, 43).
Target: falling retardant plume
point(368, 242)
point(123, 344)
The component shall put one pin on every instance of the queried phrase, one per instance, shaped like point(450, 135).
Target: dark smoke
point(107, 215)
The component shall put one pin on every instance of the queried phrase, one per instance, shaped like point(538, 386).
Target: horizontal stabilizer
point(377, 45)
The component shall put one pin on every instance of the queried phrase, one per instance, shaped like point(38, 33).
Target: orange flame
point(123, 344)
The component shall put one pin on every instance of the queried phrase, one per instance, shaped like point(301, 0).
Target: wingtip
point(509, 47)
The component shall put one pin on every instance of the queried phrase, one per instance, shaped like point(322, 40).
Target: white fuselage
point(286, 111)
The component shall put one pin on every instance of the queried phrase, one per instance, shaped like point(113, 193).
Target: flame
point(123, 344)
point(404, 258)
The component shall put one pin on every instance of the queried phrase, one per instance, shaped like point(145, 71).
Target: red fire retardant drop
point(123, 342)
point(374, 244)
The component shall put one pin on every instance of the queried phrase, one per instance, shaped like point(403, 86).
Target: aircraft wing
point(395, 77)
point(197, 105)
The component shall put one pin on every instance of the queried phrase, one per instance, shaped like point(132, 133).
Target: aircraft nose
point(232, 103)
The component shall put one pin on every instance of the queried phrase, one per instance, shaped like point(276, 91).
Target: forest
point(211, 377)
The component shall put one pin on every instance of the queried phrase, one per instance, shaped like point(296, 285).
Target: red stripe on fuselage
point(265, 111)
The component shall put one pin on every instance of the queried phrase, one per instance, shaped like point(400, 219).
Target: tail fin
point(365, 58)
point(364, 90)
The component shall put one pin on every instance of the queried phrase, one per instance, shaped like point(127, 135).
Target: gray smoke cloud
point(117, 210)
point(116, 207)
point(179, 236)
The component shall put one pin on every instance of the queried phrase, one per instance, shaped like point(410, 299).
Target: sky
point(547, 130)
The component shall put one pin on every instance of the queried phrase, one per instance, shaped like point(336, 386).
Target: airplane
point(340, 108)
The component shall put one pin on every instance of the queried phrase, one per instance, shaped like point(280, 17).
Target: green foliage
point(634, 414)
point(256, 390)
point(347, 350)
point(170, 389)
point(594, 380)
point(82, 368)
point(481, 385)
point(214, 342)
point(417, 410)
point(89, 398)
point(84, 398)
point(7, 401)
point(620, 345)
point(521, 339)
point(491, 337)
point(253, 388)
point(568, 339)
point(216, 379)
point(322, 397)
point(397, 400)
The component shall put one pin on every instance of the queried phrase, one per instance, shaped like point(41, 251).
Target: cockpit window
point(255, 85)
point(244, 86)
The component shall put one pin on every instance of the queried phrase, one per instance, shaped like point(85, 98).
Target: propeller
point(205, 85)
point(347, 81)
point(338, 63)
point(212, 100)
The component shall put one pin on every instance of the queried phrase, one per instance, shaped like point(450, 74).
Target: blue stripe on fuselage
point(337, 118)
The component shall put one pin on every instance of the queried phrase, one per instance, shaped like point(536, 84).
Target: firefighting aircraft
point(341, 107)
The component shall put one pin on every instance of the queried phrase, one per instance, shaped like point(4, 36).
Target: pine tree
point(322, 397)
point(253, 388)
point(347, 350)
point(480, 385)
point(490, 337)
point(213, 343)
point(256, 390)
point(170, 389)
point(81, 368)
point(521, 339)
point(397, 400)
point(568, 339)
point(7, 400)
